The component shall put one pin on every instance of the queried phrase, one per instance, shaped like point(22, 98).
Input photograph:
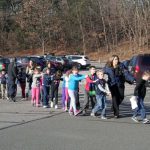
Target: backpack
point(92, 91)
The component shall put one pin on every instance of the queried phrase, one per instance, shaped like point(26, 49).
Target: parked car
point(54, 63)
point(83, 60)
point(4, 62)
point(22, 61)
point(138, 64)
point(72, 63)
point(38, 60)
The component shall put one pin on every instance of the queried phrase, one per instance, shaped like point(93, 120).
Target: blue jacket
point(74, 81)
point(3, 79)
point(118, 76)
point(47, 79)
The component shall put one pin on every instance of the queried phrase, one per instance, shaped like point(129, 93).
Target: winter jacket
point(22, 77)
point(89, 85)
point(47, 79)
point(56, 80)
point(36, 80)
point(118, 76)
point(101, 87)
point(3, 79)
point(74, 81)
point(140, 89)
point(12, 72)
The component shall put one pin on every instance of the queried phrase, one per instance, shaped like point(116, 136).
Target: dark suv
point(138, 64)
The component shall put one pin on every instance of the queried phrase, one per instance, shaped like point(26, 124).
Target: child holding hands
point(140, 92)
point(101, 91)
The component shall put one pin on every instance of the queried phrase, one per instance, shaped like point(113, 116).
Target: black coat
point(140, 89)
point(12, 72)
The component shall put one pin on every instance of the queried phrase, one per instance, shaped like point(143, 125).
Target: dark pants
point(140, 109)
point(87, 99)
point(23, 86)
point(77, 100)
point(54, 94)
point(12, 89)
point(121, 93)
point(117, 98)
point(46, 95)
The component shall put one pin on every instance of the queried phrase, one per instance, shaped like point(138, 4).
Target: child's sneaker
point(77, 112)
point(45, 106)
point(56, 106)
point(145, 121)
point(70, 113)
point(52, 104)
point(103, 117)
point(92, 114)
point(135, 119)
point(66, 109)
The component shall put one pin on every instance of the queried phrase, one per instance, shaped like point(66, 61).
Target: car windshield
point(145, 61)
point(25, 60)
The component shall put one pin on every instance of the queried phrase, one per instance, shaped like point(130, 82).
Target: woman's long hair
point(110, 61)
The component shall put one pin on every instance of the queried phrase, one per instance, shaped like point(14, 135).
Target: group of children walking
point(44, 86)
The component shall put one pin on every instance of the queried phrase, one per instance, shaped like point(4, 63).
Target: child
point(90, 89)
point(47, 78)
point(54, 88)
point(101, 91)
point(36, 87)
point(65, 95)
point(140, 92)
point(22, 81)
point(73, 89)
point(3, 83)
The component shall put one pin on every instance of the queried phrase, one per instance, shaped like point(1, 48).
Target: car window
point(25, 60)
point(145, 60)
point(86, 57)
point(18, 59)
point(53, 58)
point(59, 59)
point(76, 57)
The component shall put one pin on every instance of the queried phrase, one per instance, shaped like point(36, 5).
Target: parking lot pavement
point(23, 127)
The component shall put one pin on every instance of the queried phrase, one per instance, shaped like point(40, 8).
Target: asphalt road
point(23, 127)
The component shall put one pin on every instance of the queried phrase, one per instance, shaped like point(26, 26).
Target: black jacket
point(12, 72)
point(140, 89)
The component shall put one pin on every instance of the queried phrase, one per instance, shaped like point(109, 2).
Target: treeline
point(82, 25)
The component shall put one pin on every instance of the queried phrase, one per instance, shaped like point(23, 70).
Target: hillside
point(123, 51)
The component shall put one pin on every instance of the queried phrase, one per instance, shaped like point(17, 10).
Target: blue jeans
point(140, 109)
point(100, 104)
point(46, 95)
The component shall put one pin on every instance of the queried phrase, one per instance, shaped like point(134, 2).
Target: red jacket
point(88, 82)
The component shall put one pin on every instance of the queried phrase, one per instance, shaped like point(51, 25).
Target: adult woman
point(117, 75)
point(29, 72)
